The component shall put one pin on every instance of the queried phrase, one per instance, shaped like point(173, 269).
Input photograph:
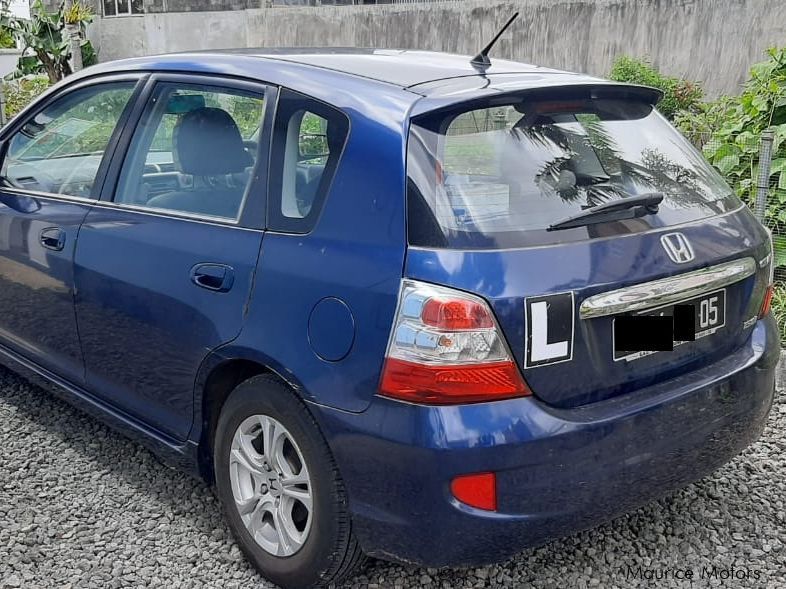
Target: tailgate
point(557, 305)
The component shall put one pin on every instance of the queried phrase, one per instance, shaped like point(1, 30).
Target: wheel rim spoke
point(275, 451)
point(254, 517)
point(285, 527)
point(296, 492)
point(244, 454)
point(246, 506)
point(271, 485)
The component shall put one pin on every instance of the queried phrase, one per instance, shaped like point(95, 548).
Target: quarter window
point(309, 137)
point(60, 149)
point(194, 151)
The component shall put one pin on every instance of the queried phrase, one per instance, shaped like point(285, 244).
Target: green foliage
point(729, 132)
point(7, 40)
point(246, 111)
point(678, 94)
point(77, 14)
point(21, 92)
point(89, 55)
point(45, 39)
point(94, 119)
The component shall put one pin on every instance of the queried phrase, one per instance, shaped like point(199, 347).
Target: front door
point(50, 174)
point(166, 260)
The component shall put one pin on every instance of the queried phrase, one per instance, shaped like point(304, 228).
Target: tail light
point(766, 303)
point(446, 348)
point(770, 291)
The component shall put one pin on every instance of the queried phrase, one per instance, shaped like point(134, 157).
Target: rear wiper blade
point(616, 210)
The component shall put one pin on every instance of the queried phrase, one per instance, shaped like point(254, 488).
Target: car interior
point(188, 157)
point(209, 151)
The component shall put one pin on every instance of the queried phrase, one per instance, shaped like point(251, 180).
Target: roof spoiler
point(646, 94)
point(502, 92)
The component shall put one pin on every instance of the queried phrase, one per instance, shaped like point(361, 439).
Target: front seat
point(207, 145)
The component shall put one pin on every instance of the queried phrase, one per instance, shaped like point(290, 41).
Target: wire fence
point(749, 165)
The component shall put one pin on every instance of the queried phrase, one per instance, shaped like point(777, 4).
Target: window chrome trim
point(48, 195)
point(667, 290)
point(166, 213)
point(177, 215)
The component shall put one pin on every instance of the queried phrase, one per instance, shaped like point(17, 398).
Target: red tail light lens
point(478, 490)
point(448, 384)
point(446, 348)
point(456, 315)
point(766, 303)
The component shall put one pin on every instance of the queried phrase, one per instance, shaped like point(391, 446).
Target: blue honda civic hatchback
point(391, 303)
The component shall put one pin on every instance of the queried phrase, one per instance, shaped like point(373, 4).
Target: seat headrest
point(207, 142)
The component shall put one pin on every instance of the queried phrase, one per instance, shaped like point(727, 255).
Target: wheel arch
point(219, 375)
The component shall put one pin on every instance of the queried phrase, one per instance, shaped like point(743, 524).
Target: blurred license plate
point(709, 315)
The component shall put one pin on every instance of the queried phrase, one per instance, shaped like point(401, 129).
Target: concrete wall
point(713, 41)
point(8, 61)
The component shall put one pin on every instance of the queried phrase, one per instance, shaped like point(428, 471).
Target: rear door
point(166, 259)
point(488, 185)
point(53, 162)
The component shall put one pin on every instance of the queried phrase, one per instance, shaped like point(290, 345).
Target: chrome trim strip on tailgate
point(667, 290)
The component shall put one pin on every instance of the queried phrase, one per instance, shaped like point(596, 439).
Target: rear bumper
point(558, 470)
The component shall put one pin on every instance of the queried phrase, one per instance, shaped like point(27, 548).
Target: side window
point(307, 143)
point(193, 151)
point(60, 149)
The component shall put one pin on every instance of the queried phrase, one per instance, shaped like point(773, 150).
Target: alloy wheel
point(271, 485)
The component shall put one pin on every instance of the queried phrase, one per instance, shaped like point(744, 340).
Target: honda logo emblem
point(678, 247)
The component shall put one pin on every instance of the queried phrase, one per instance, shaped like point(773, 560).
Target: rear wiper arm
point(617, 210)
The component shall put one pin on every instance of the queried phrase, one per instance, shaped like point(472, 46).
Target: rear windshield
point(499, 175)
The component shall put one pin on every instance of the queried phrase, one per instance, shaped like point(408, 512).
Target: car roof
point(403, 82)
point(402, 68)
point(405, 68)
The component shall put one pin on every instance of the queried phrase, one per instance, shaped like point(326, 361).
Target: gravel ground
point(80, 506)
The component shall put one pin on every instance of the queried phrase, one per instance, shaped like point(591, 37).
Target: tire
point(318, 551)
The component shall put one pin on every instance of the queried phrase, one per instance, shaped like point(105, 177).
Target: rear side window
point(307, 143)
point(498, 175)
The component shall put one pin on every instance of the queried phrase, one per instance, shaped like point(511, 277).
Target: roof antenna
point(481, 61)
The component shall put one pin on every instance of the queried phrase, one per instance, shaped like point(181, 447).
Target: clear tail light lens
point(446, 348)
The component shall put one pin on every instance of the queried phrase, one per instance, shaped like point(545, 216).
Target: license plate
point(709, 311)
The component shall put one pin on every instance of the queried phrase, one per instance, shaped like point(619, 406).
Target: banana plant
point(46, 45)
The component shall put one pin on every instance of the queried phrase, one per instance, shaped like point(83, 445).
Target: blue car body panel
point(506, 278)
point(36, 282)
point(122, 331)
point(558, 470)
point(144, 327)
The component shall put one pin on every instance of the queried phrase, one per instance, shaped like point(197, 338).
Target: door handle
point(216, 277)
point(53, 238)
